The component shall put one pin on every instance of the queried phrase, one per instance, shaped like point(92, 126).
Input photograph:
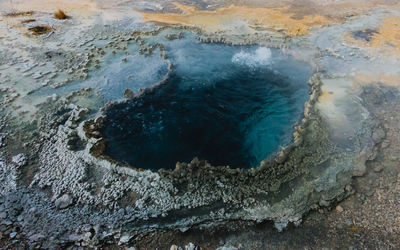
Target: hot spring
point(229, 105)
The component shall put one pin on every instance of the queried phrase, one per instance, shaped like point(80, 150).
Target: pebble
point(19, 159)
point(378, 135)
point(378, 167)
point(36, 237)
point(20, 218)
point(13, 234)
point(339, 209)
point(191, 246)
point(64, 201)
point(7, 222)
point(37, 75)
point(124, 239)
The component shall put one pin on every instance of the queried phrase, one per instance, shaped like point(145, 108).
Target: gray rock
point(7, 222)
point(19, 160)
point(3, 215)
point(75, 237)
point(64, 201)
point(359, 165)
point(13, 234)
point(124, 239)
point(378, 135)
point(378, 167)
point(86, 228)
point(227, 248)
point(191, 246)
point(20, 218)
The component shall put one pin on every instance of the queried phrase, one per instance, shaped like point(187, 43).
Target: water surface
point(229, 105)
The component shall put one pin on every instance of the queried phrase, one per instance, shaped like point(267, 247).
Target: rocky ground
point(336, 186)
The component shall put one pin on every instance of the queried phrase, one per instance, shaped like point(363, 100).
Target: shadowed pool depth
point(229, 105)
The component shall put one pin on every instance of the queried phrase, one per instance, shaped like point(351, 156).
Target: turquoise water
point(229, 105)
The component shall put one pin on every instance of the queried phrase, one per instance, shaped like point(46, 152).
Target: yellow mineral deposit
point(388, 34)
point(387, 79)
point(385, 40)
point(277, 19)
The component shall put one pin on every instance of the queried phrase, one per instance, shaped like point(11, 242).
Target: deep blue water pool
point(229, 105)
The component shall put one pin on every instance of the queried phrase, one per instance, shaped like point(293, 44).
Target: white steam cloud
point(260, 57)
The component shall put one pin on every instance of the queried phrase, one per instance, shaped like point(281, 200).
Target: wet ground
point(334, 184)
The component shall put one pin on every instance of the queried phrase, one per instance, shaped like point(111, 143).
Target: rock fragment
point(64, 201)
point(175, 247)
point(339, 209)
point(191, 246)
point(129, 94)
point(19, 160)
point(124, 239)
point(378, 135)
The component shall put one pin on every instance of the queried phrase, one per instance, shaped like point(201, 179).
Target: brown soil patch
point(20, 13)
point(28, 21)
point(40, 29)
point(60, 15)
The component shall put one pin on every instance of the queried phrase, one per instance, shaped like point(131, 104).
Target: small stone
point(124, 239)
point(33, 211)
point(174, 247)
point(227, 248)
point(7, 222)
point(378, 135)
point(324, 203)
point(86, 228)
point(378, 168)
point(64, 201)
point(129, 94)
point(348, 222)
point(359, 167)
point(13, 234)
point(191, 246)
point(385, 144)
point(20, 218)
point(3, 215)
point(19, 160)
point(339, 209)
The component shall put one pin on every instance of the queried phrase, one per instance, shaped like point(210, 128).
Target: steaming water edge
point(229, 105)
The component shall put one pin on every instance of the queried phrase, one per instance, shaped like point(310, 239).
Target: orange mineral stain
point(268, 18)
point(386, 39)
point(388, 34)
